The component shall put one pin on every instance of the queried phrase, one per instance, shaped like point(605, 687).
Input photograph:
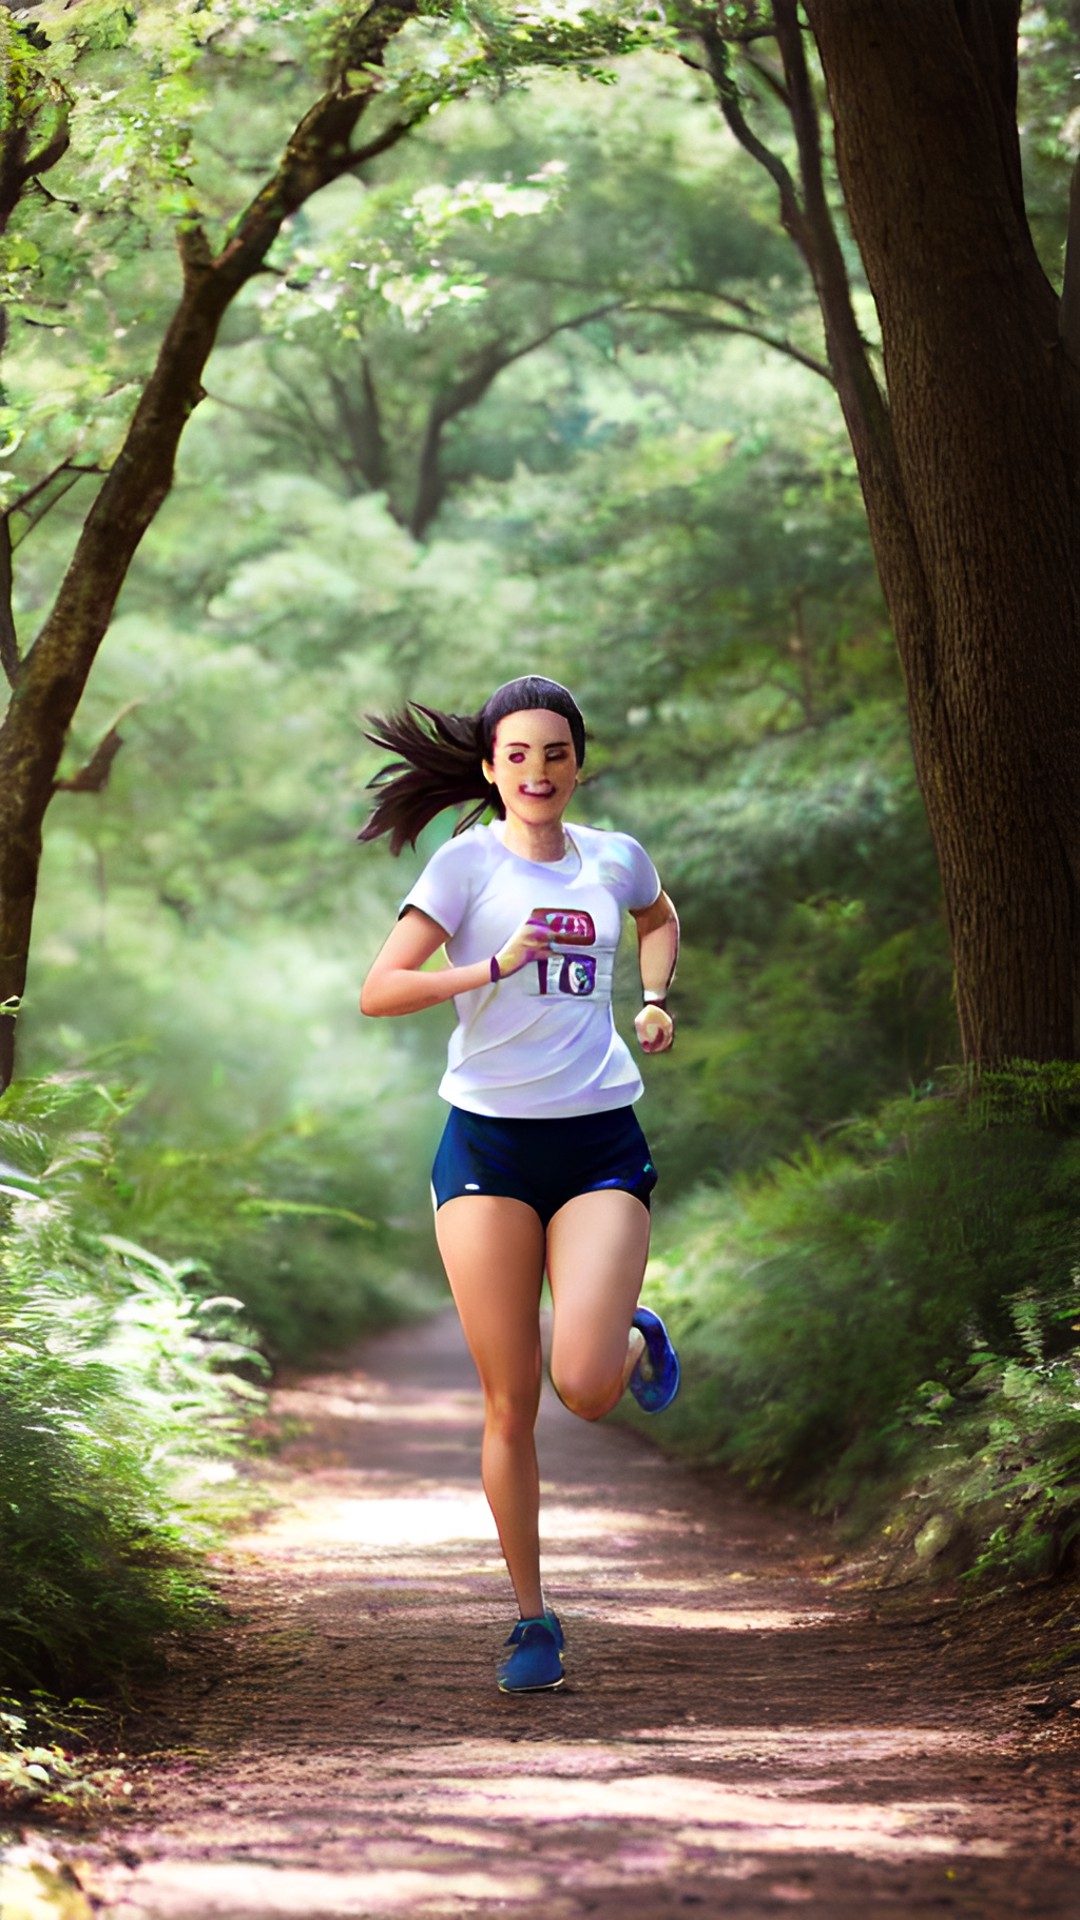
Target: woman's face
point(533, 765)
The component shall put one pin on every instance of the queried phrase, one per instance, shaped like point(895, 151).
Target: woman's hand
point(655, 1029)
point(531, 938)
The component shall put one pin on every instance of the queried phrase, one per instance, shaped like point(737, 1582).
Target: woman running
point(542, 1162)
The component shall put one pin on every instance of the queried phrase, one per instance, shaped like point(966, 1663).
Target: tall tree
point(967, 449)
point(47, 682)
point(44, 51)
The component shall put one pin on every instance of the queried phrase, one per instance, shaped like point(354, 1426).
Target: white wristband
point(652, 999)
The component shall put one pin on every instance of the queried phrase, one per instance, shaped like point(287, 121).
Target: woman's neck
point(542, 843)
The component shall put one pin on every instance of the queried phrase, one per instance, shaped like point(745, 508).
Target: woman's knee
point(511, 1415)
point(583, 1393)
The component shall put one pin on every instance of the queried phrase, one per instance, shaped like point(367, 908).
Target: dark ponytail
point(440, 767)
point(441, 764)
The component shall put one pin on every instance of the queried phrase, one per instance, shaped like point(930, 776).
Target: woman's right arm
point(395, 983)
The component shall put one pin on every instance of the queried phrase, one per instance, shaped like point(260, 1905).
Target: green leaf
point(301, 1209)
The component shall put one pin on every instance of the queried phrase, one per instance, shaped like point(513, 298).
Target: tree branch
point(727, 92)
point(862, 398)
point(54, 672)
point(466, 392)
point(18, 167)
point(33, 520)
point(1069, 311)
point(73, 467)
point(94, 776)
point(363, 463)
point(865, 408)
point(362, 420)
point(359, 156)
point(768, 73)
point(9, 645)
point(320, 149)
point(305, 417)
point(706, 323)
point(281, 421)
point(684, 287)
point(807, 218)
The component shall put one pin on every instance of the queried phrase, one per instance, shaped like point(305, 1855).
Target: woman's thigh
point(493, 1252)
point(597, 1246)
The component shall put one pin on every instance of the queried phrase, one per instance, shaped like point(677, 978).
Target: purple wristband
point(495, 974)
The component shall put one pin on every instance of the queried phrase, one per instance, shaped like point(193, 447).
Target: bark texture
point(970, 479)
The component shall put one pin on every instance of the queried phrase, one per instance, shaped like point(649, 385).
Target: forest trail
point(733, 1737)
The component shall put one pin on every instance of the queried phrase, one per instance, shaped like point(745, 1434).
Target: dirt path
point(733, 1736)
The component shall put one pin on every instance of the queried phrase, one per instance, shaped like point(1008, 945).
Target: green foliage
point(1049, 120)
point(312, 1273)
point(123, 1385)
point(1032, 1092)
point(916, 1273)
point(815, 973)
point(498, 232)
point(1006, 1436)
point(53, 1775)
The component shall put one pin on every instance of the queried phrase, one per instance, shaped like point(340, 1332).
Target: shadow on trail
point(731, 1735)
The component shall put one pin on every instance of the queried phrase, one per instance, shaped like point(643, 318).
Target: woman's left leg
point(597, 1246)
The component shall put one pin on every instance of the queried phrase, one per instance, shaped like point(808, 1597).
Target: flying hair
point(441, 757)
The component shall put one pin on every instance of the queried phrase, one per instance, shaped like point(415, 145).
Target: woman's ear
point(488, 772)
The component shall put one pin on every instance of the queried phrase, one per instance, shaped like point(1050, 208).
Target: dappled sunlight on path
point(732, 1736)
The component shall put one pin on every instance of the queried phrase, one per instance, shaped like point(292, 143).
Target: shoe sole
point(545, 1686)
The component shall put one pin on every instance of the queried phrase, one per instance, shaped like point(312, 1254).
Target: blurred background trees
point(545, 389)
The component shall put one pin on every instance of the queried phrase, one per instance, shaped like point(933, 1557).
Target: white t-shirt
point(540, 1044)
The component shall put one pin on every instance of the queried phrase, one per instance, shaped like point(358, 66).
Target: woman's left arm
point(658, 951)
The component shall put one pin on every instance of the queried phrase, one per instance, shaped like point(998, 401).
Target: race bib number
point(566, 923)
point(572, 973)
point(558, 975)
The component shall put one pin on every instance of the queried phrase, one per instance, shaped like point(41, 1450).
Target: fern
point(912, 1282)
point(122, 1393)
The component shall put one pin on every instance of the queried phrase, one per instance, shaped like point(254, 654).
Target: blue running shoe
point(556, 1628)
point(550, 1619)
point(535, 1665)
point(655, 1380)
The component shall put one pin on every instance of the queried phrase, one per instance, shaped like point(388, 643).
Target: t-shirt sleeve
point(642, 882)
point(443, 888)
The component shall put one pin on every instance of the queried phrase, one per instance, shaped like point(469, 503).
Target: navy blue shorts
point(543, 1162)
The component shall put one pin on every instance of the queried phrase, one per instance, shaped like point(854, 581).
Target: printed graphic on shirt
point(573, 973)
point(566, 923)
point(578, 973)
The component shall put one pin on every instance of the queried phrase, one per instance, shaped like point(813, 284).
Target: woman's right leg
point(493, 1252)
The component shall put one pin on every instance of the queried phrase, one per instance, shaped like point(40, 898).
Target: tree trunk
point(976, 523)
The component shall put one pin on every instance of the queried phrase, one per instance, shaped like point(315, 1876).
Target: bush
point(293, 1224)
point(918, 1270)
point(123, 1383)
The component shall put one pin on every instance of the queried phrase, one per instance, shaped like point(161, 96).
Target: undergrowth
point(142, 1284)
point(48, 1763)
point(124, 1381)
point(885, 1326)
